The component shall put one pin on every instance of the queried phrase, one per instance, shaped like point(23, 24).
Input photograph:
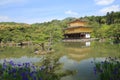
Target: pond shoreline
point(79, 40)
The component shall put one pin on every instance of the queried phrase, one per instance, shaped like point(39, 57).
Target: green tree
point(49, 35)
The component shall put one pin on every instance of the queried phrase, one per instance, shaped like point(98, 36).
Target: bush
point(108, 69)
point(26, 71)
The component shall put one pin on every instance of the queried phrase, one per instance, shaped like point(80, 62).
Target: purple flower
point(4, 66)
point(25, 78)
point(31, 74)
point(34, 78)
point(27, 64)
point(13, 70)
point(42, 68)
point(19, 65)
point(95, 71)
point(12, 63)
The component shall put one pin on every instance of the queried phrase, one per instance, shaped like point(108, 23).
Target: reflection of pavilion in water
point(78, 50)
point(77, 44)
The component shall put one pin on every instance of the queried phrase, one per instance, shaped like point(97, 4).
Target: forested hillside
point(107, 26)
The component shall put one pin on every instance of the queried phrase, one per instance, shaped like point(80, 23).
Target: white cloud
point(5, 2)
point(114, 8)
point(29, 20)
point(71, 12)
point(36, 20)
point(104, 2)
point(4, 19)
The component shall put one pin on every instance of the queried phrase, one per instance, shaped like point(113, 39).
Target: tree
point(115, 32)
point(108, 20)
point(47, 35)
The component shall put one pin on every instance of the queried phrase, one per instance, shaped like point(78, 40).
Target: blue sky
point(32, 11)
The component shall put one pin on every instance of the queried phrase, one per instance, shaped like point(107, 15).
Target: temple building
point(77, 30)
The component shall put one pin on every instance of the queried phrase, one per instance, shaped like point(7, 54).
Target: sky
point(38, 11)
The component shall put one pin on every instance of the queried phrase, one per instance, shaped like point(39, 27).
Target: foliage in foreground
point(48, 69)
point(108, 69)
point(25, 71)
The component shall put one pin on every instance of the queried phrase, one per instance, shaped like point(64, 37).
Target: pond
point(76, 57)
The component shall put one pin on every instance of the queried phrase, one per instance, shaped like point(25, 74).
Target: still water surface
point(76, 57)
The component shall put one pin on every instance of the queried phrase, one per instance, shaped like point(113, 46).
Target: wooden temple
point(77, 30)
